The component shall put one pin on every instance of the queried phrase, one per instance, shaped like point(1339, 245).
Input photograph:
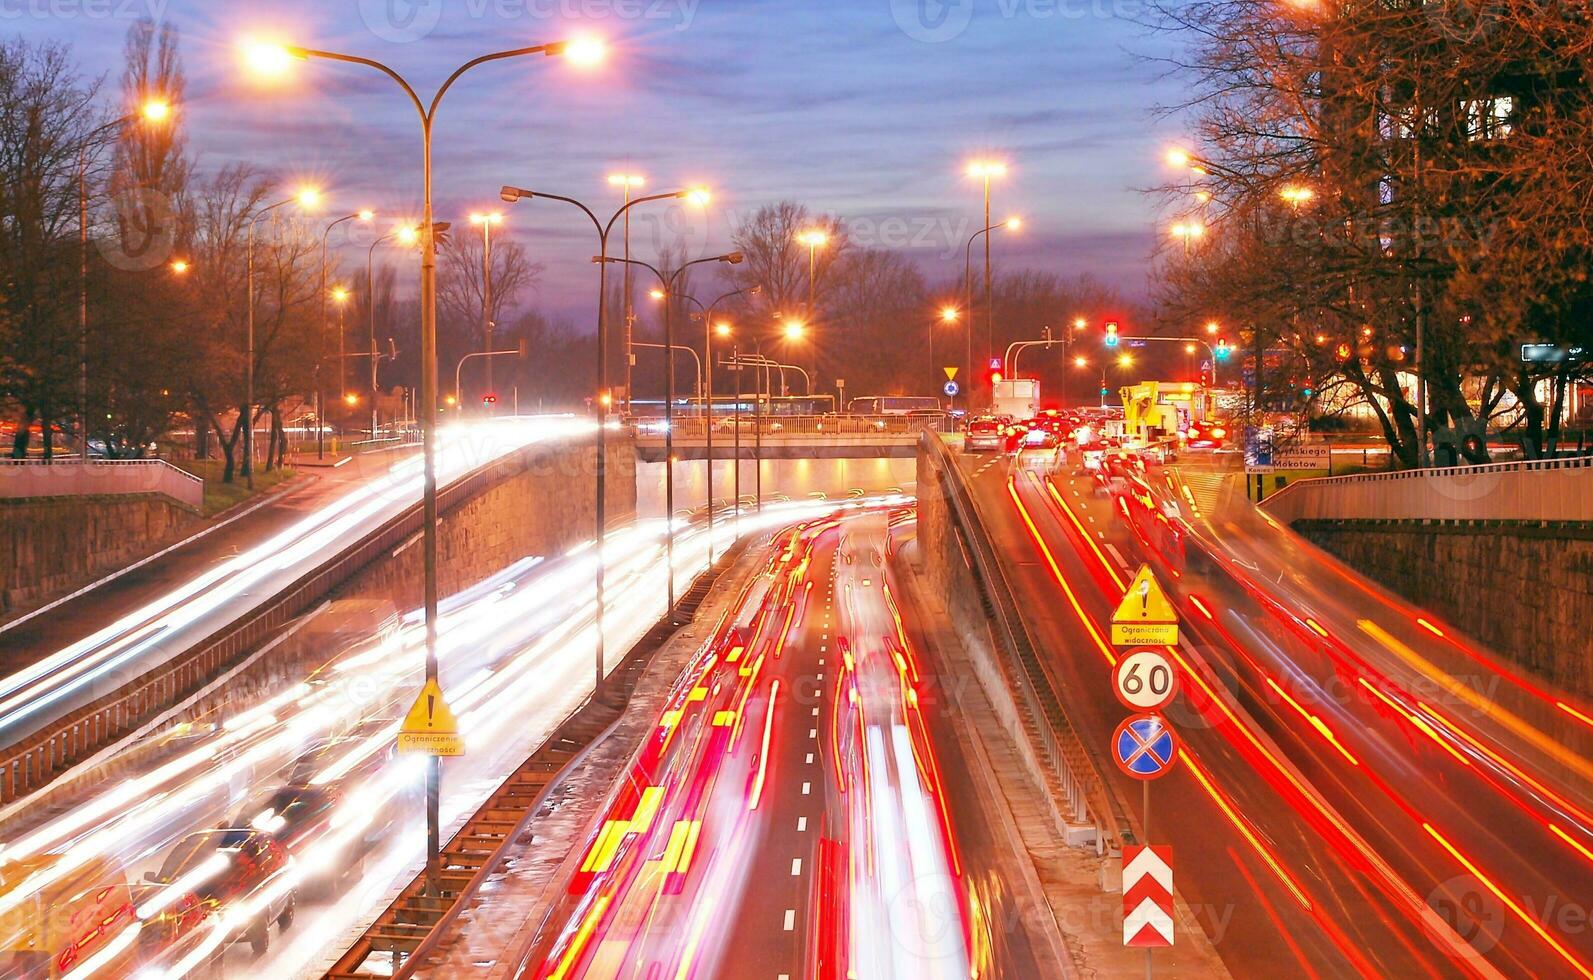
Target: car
point(209, 874)
point(984, 435)
point(1206, 435)
point(1040, 437)
point(55, 928)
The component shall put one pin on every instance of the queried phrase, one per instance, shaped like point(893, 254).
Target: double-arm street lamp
point(513, 195)
point(276, 59)
point(667, 283)
point(407, 235)
point(307, 199)
point(986, 171)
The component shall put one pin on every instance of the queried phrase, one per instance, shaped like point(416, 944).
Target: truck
point(1018, 398)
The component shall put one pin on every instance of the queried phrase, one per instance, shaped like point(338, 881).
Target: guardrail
point(80, 478)
point(36, 759)
point(1541, 490)
point(694, 427)
point(1073, 769)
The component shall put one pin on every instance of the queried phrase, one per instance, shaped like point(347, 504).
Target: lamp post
point(668, 285)
point(152, 111)
point(486, 221)
point(320, 395)
point(986, 171)
point(1011, 224)
point(627, 183)
point(513, 195)
point(408, 236)
point(948, 315)
point(306, 198)
point(275, 59)
point(814, 240)
point(708, 329)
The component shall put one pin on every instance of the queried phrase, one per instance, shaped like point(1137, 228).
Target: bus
point(892, 405)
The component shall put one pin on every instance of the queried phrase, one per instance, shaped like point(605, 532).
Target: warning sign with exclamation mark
point(1145, 617)
point(430, 726)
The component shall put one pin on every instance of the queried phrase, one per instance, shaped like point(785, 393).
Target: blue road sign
point(1144, 747)
point(952, 389)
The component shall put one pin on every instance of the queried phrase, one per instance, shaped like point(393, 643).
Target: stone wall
point(1524, 590)
point(49, 545)
point(544, 509)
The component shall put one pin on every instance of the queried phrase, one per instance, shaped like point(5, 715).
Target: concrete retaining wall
point(545, 509)
point(1524, 590)
point(49, 545)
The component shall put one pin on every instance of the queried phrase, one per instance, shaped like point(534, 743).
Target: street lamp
point(985, 171)
point(271, 59)
point(307, 198)
point(1011, 224)
point(722, 329)
point(628, 183)
point(668, 283)
point(364, 214)
point(485, 222)
point(1188, 231)
point(512, 195)
point(406, 235)
point(153, 111)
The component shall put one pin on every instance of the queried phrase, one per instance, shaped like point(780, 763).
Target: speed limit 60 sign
point(1145, 680)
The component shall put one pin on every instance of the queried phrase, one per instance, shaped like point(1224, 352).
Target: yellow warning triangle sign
point(1145, 601)
point(1145, 616)
point(430, 715)
point(951, 373)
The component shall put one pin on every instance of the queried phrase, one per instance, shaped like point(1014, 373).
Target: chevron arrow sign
point(1148, 896)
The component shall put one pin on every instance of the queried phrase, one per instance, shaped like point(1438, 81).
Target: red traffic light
point(489, 399)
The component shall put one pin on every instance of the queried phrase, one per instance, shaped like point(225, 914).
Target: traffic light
point(489, 399)
point(1223, 350)
point(1111, 333)
point(995, 377)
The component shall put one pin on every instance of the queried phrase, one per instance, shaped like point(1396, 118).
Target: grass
point(220, 496)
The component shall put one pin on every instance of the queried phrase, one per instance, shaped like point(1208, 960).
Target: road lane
point(819, 841)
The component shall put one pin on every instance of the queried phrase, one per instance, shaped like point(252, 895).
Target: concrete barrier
point(99, 477)
point(1548, 490)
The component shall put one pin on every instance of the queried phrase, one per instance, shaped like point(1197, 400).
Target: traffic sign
point(1145, 617)
point(1148, 896)
point(1145, 680)
point(1144, 747)
point(951, 373)
point(952, 389)
point(430, 726)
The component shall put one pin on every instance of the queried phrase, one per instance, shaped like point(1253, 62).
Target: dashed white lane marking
point(815, 711)
point(821, 677)
point(813, 733)
point(790, 920)
point(802, 825)
point(1118, 555)
point(810, 758)
point(796, 867)
point(807, 788)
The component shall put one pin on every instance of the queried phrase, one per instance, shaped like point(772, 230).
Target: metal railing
point(99, 477)
point(862, 427)
point(1536, 491)
point(37, 758)
point(1073, 770)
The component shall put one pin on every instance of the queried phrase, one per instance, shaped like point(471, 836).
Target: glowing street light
point(1188, 231)
point(794, 329)
point(1296, 195)
point(1213, 327)
point(949, 314)
point(180, 266)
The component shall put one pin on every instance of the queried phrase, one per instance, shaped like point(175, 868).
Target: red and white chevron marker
point(1148, 896)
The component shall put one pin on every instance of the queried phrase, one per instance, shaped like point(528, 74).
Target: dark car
point(219, 869)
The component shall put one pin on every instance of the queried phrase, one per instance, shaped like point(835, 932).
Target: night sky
point(867, 109)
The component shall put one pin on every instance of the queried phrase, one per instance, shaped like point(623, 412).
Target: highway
point(303, 771)
point(41, 684)
point(801, 809)
point(1360, 792)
